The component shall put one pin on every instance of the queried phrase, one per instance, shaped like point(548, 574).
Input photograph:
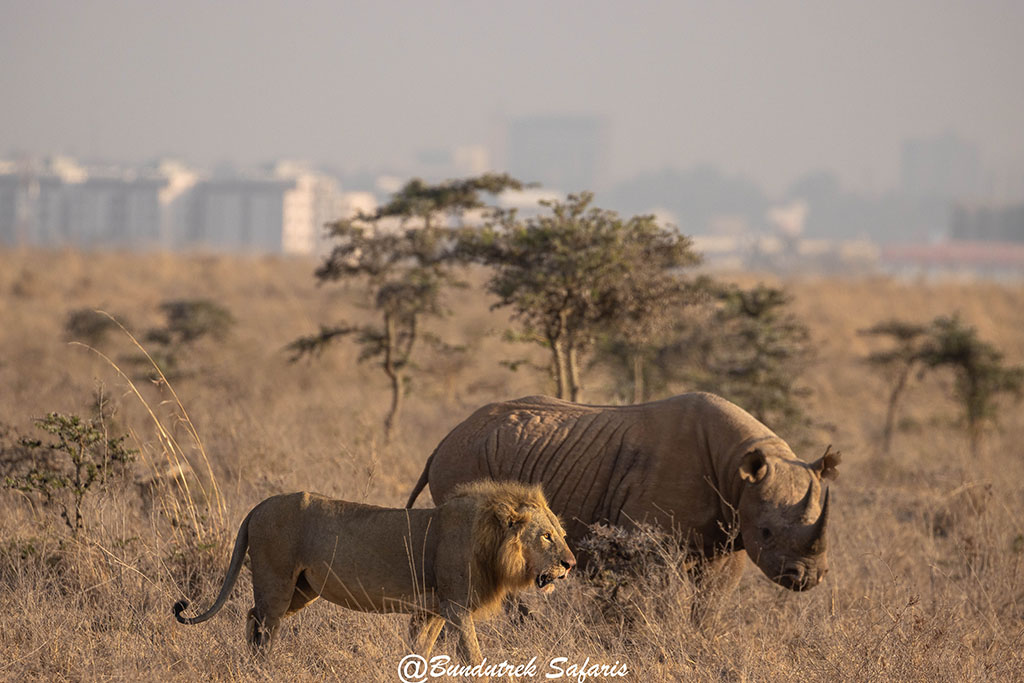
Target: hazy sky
point(767, 89)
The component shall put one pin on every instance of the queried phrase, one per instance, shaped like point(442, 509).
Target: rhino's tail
point(416, 490)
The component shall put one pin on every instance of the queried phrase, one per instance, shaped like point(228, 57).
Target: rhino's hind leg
point(714, 581)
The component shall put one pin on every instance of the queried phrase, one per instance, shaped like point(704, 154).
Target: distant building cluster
point(988, 222)
point(282, 208)
point(949, 212)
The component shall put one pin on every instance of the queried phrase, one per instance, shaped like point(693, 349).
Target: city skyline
point(770, 92)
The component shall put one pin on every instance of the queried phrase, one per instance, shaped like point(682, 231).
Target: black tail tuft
point(180, 607)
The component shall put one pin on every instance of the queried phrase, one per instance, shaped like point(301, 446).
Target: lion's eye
point(547, 537)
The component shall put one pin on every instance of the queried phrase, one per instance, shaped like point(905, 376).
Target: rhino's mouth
point(793, 583)
point(797, 579)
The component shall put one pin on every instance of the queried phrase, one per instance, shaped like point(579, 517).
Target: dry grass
point(928, 547)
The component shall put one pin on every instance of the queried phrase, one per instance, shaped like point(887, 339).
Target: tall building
point(313, 201)
point(987, 222)
point(115, 210)
point(561, 152)
point(174, 198)
point(11, 185)
point(52, 196)
point(282, 208)
point(237, 213)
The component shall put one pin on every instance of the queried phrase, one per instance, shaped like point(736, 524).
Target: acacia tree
point(186, 322)
point(896, 363)
point(753, 352)
point(82, 456)
point(655, 318)
point(979, 373)
point(569, 273)
point(404, 255)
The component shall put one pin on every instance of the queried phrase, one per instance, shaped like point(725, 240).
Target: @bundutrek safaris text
point(416, 669)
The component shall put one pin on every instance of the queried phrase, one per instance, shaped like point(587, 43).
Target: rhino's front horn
point(818, 540)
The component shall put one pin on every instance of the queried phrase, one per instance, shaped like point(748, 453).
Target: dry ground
point(927, 546)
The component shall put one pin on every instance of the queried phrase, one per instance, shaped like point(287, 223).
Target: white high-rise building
point(11, 191)
point(116, 210)
point(167, 205)
point(236, 213)
point(313, 201)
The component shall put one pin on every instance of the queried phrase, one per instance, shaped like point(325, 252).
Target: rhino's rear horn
point(818, 539)
point(805, 502)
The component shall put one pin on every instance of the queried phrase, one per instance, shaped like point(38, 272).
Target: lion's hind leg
point(424, 628)
point(302, 595)
point(274, 597)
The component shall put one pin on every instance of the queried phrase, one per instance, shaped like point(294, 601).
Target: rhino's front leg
point(715, 579)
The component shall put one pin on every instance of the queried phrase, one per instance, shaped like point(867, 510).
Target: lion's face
point(518, 539)
point(542, 539)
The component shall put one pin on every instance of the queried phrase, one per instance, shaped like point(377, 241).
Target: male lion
point(449, 563)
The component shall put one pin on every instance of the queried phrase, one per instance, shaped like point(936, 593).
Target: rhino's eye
point(766, 534)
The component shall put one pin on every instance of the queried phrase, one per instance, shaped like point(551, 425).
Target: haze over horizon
point(770, 91)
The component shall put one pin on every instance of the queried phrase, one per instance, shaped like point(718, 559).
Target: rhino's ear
point(826, 465)
point(753, 467)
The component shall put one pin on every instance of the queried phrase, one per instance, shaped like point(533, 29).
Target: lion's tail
point(416, 490)
point(237, 556)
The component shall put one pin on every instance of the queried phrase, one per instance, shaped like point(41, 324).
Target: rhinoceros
point(695, 463)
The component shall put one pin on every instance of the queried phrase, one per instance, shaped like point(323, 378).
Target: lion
point(452, 563)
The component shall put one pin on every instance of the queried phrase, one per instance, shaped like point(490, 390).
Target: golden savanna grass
point(927, 578)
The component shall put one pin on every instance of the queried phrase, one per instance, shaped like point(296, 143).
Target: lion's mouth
point(544, 581)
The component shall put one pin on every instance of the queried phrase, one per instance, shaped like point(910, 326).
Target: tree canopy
point(576, 270)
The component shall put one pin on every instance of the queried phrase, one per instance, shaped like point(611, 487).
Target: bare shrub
point(635, 574)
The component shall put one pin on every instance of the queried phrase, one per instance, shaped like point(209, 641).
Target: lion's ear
point(508, 516)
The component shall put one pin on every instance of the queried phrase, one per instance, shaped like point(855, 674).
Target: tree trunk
point(390, 341)
point(638, 377)
point(575, 390)
point(974, 434)
point(396, 405)
point(890, 413)
point(561, 367)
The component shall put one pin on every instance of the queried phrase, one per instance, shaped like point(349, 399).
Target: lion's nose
point(569, 564)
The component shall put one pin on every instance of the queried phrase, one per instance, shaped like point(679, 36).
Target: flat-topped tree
point(979, 372)
point(754, 351)
point(652, 317)
point(404, 254)
point(576, 271)
point(896, 363)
